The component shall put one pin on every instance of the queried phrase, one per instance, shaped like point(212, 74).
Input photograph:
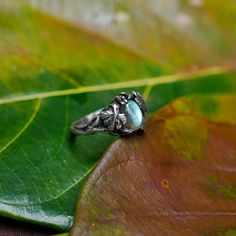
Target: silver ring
point(124, 115)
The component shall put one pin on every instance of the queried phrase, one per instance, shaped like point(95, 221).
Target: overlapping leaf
point(176, 179)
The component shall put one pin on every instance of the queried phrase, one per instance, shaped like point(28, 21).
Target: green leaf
point(52, 73)
point(41, 171)
point(178, 178)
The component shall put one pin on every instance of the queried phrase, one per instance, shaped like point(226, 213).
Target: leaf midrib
point(165, 79)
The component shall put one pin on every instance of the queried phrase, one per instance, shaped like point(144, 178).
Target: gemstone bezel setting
point(121, 118)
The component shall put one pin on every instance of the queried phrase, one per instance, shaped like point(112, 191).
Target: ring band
point(124, 115)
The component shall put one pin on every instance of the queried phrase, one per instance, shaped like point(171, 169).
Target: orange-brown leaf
point(178, 178)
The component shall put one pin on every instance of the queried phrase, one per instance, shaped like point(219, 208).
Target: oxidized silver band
point(124, 115)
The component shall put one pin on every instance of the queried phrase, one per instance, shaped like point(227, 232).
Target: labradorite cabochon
point(133, 115)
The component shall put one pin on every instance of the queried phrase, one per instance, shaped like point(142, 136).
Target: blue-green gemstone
point(133, 115)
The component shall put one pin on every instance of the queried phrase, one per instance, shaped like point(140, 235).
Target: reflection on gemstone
point(133, 115)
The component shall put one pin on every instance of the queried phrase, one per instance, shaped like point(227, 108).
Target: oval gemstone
point(133, 115)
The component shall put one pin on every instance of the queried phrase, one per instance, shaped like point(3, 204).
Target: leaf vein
point(32, 117)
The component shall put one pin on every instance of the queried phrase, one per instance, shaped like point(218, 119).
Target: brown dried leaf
point(179, 178)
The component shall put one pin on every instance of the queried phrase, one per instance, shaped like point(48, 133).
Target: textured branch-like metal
point(111, 119)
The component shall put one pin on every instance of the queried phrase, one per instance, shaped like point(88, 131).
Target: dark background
point(10, 227)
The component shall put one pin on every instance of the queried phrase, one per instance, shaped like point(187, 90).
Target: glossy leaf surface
point(52, 73)
point(178, 178)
